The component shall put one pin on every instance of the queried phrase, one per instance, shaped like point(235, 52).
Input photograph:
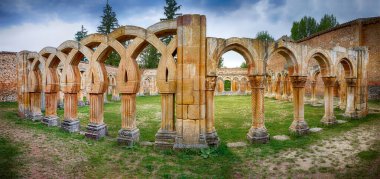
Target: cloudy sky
point(35, 24)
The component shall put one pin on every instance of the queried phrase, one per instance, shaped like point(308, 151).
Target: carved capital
point(351, 82)
point(256, 81)
point(210, 83)
point(329, 81)
point(298, 81)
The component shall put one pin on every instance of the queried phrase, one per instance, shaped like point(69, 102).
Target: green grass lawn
point(232, 121)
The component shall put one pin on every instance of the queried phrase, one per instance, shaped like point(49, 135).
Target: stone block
point(128, 137)
point(258, 135)
point(299, 127)
point(70, 125)
point(50, 120)
point(96, 131)
point(164, 139)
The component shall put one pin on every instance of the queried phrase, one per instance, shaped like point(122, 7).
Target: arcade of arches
point(186, 85)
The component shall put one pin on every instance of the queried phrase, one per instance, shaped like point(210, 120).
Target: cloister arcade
point(187, 85)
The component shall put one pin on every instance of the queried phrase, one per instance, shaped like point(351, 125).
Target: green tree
point(327, 22)
point(264, 36)
point(150, 57)
point(220, 63)
point(243, 65)
point(109, 22)
point(304, 28)
point(81, 34)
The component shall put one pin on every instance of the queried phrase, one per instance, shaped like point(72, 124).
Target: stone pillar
point(329, 117)
point(60, 100)
point(96, 129)
point(289, 89)
point(129, 133)
point(257, 133)
point(211, 135)
point(191, 74)
point(115, 94)
point(299, 125)
point(165, 136)
point(278, 89)
point(35, 104)
point(350, 108)
point(313, 85)
point(51, 118)
point(269, 86)
point(70, 122)
point(285, 89)
point(80, 98)
point(343, 95)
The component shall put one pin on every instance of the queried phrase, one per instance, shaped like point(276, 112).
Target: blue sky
point(34, 24)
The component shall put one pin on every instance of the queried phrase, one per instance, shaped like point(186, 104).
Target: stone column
point(299, 124)
point(269, 87)
point(313, 85)
point(129, 133)
point(165, 136)
point(257, 133)
point(70, 122)
point(289, 89)
point(278, 89)
point(51, 118)
point(211, 135)
point(343, 95)
point(35, 104)
point(96, 129)
point(80, 98)
point(350, 108)
point(329, 117)
point(285, 89)
point(115, 94)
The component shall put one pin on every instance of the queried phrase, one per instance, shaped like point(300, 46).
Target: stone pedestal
point(329, 117)
point(165, 136)
point(164, 139)
point(128, 137)
point(257, 133)
point(96, 131)
point(50, 120)
point(70, 125)
point(299, 125)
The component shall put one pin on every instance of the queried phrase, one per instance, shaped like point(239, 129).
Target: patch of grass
point(9, 164)
point(233, 117)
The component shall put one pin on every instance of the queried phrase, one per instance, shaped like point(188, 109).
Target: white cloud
point(35, 36)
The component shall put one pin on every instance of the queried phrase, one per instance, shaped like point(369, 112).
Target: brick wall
point(8, 77)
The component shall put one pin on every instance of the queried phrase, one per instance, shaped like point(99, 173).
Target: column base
point(81, 103)
point(258, 135)
point(70, 125)
point(179, 145)
point(299, 127)
point(164, 139)
point(96, 131)
point(212, 139)
point(351, 114)
point(328, 120)
point(115, 98)
point(35, 117)
point(50, 120)
point(128, 136)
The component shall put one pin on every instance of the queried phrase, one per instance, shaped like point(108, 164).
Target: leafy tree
point(243, 65)
point(327, 22)
point(109, 22)
point(304, 28)
point(264, 36)
point(81, 34)
point(220, 63)
point(150, 57)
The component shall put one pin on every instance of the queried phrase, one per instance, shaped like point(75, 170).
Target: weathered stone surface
point(128, 137)
point(96, 131)
point(281, 137)
point(70, 125)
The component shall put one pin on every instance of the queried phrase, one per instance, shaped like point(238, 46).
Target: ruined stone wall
point(357, 33)
point(8, 77)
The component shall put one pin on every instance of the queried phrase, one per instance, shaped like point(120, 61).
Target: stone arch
point(323, 60)
point(289, 56)
point(348, 67)
point(35, 75)
point(53, 58)
point(242, 46)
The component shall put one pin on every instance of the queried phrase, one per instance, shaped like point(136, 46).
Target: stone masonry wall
point(8, 77)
